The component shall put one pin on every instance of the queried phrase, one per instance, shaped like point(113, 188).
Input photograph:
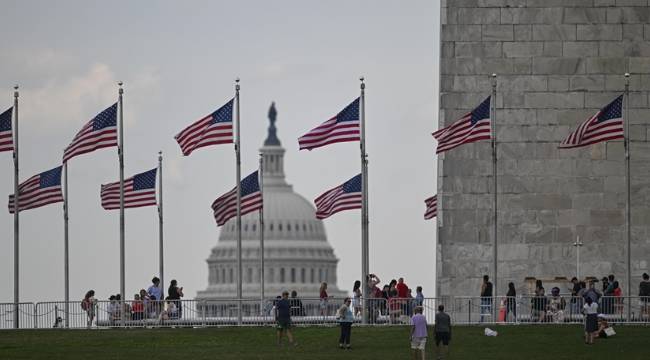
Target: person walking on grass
point(283, 318)
point(345, 317)
point(418, 334)
point(442, 331)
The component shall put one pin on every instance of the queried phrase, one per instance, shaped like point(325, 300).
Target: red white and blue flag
point(606, 124)
point(343, 197)
point(6, 137)
point(225, 207)
point(139, 190)
point(100, 132)
point(432, 207)
point(473, 126)
point(213, 129)
point(345, 126)
point(38, 190)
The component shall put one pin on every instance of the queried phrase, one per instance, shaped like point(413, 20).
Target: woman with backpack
point(88, 304)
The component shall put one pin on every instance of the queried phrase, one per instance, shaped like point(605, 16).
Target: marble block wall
point(558, 62)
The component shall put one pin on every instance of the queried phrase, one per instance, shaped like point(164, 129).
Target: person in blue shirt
point(283, 318)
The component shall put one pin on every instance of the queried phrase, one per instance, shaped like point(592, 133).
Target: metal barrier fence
point(312, 311)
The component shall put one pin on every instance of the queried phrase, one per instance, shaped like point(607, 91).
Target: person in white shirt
point(590, 309)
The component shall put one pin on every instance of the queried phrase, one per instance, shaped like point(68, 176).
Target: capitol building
point(297, 255)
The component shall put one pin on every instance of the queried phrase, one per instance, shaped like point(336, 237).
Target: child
point(344, 315)
point(418, 333)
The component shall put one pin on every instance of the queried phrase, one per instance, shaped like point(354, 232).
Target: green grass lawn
point(514, 342)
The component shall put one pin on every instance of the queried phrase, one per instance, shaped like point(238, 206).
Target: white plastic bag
point(490, 332)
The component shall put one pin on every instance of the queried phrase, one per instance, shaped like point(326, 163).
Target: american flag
point(341, 128)
point(606, 124)
point(100, 132)
point(225, 207)
point(39, 190)
point(474, 126)
point(432, 207)
point(343, 197)
point(213, 129)
point(139, 190)
point(6, 139)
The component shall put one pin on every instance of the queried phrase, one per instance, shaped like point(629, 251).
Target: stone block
point(638, 100)
point(580, 48)
point(513, 100)
point(541, 235)
point(522, 49)
point(638, 132)
point(603, 65)
point(607, 217)
point(497, 32)
point(527, 15)
point(461, 100)
point(633, 32)
point(552, 48)
point(625, 48)
point(447, 50)
point(503, 3)
point(558, 83)
point(599, 32)
point(572, 217)
point(478, 49)
point(472, 83)
point(587, 82)
point(588, 201)
point(558, 66)
point(615, 150)
point(615, 182)
point(516, 116)
point(545, 100)
point(640, 65)
point(522, 66)
point(521, 83)
point(556, 3)
point(479, 16)
point(600, 99)
point(646, 31)
point(614, 15)
point(584, 15)
point(631, 3)
point(523, 32)
point(635, 15)
point(554, 32)
point(573, 117)
point(461, 32)
point(604, 2)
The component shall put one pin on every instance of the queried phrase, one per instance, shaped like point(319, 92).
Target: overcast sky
point(178, 61)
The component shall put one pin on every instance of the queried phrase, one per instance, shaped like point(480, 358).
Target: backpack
point(84, 304)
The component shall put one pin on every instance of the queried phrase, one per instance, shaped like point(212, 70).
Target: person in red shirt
point(137, 308)
point(402, 289)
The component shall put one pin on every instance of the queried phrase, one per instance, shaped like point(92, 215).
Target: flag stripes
point(472, 127)
point(345, 126)
point(343, 197)
point(225, 206)
point(39, 190)
point(139, 191)
point(6, 135)
point(213, 129)
point(432, 207)
point(606, 124)
point(100, 132)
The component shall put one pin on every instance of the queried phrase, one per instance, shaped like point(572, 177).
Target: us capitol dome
point(297, 255)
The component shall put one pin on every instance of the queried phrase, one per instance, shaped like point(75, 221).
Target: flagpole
point(494, 174)
point(161, 262)
point(365, 268)
point(16, 212)
point(238, 161)
point(120, 154)
point(262, 235)
point(66, 266)
point(627, 203)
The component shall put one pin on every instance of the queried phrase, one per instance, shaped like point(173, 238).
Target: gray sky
point(178, 61)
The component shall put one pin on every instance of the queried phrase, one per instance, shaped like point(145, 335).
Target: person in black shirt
point(296, 305)
point(283, 318)
point(511, 301)
point(644, 293)
point(174, 293)
point(486, 297)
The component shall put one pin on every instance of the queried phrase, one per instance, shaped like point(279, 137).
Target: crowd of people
point(146, 304)
point(555, 307)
